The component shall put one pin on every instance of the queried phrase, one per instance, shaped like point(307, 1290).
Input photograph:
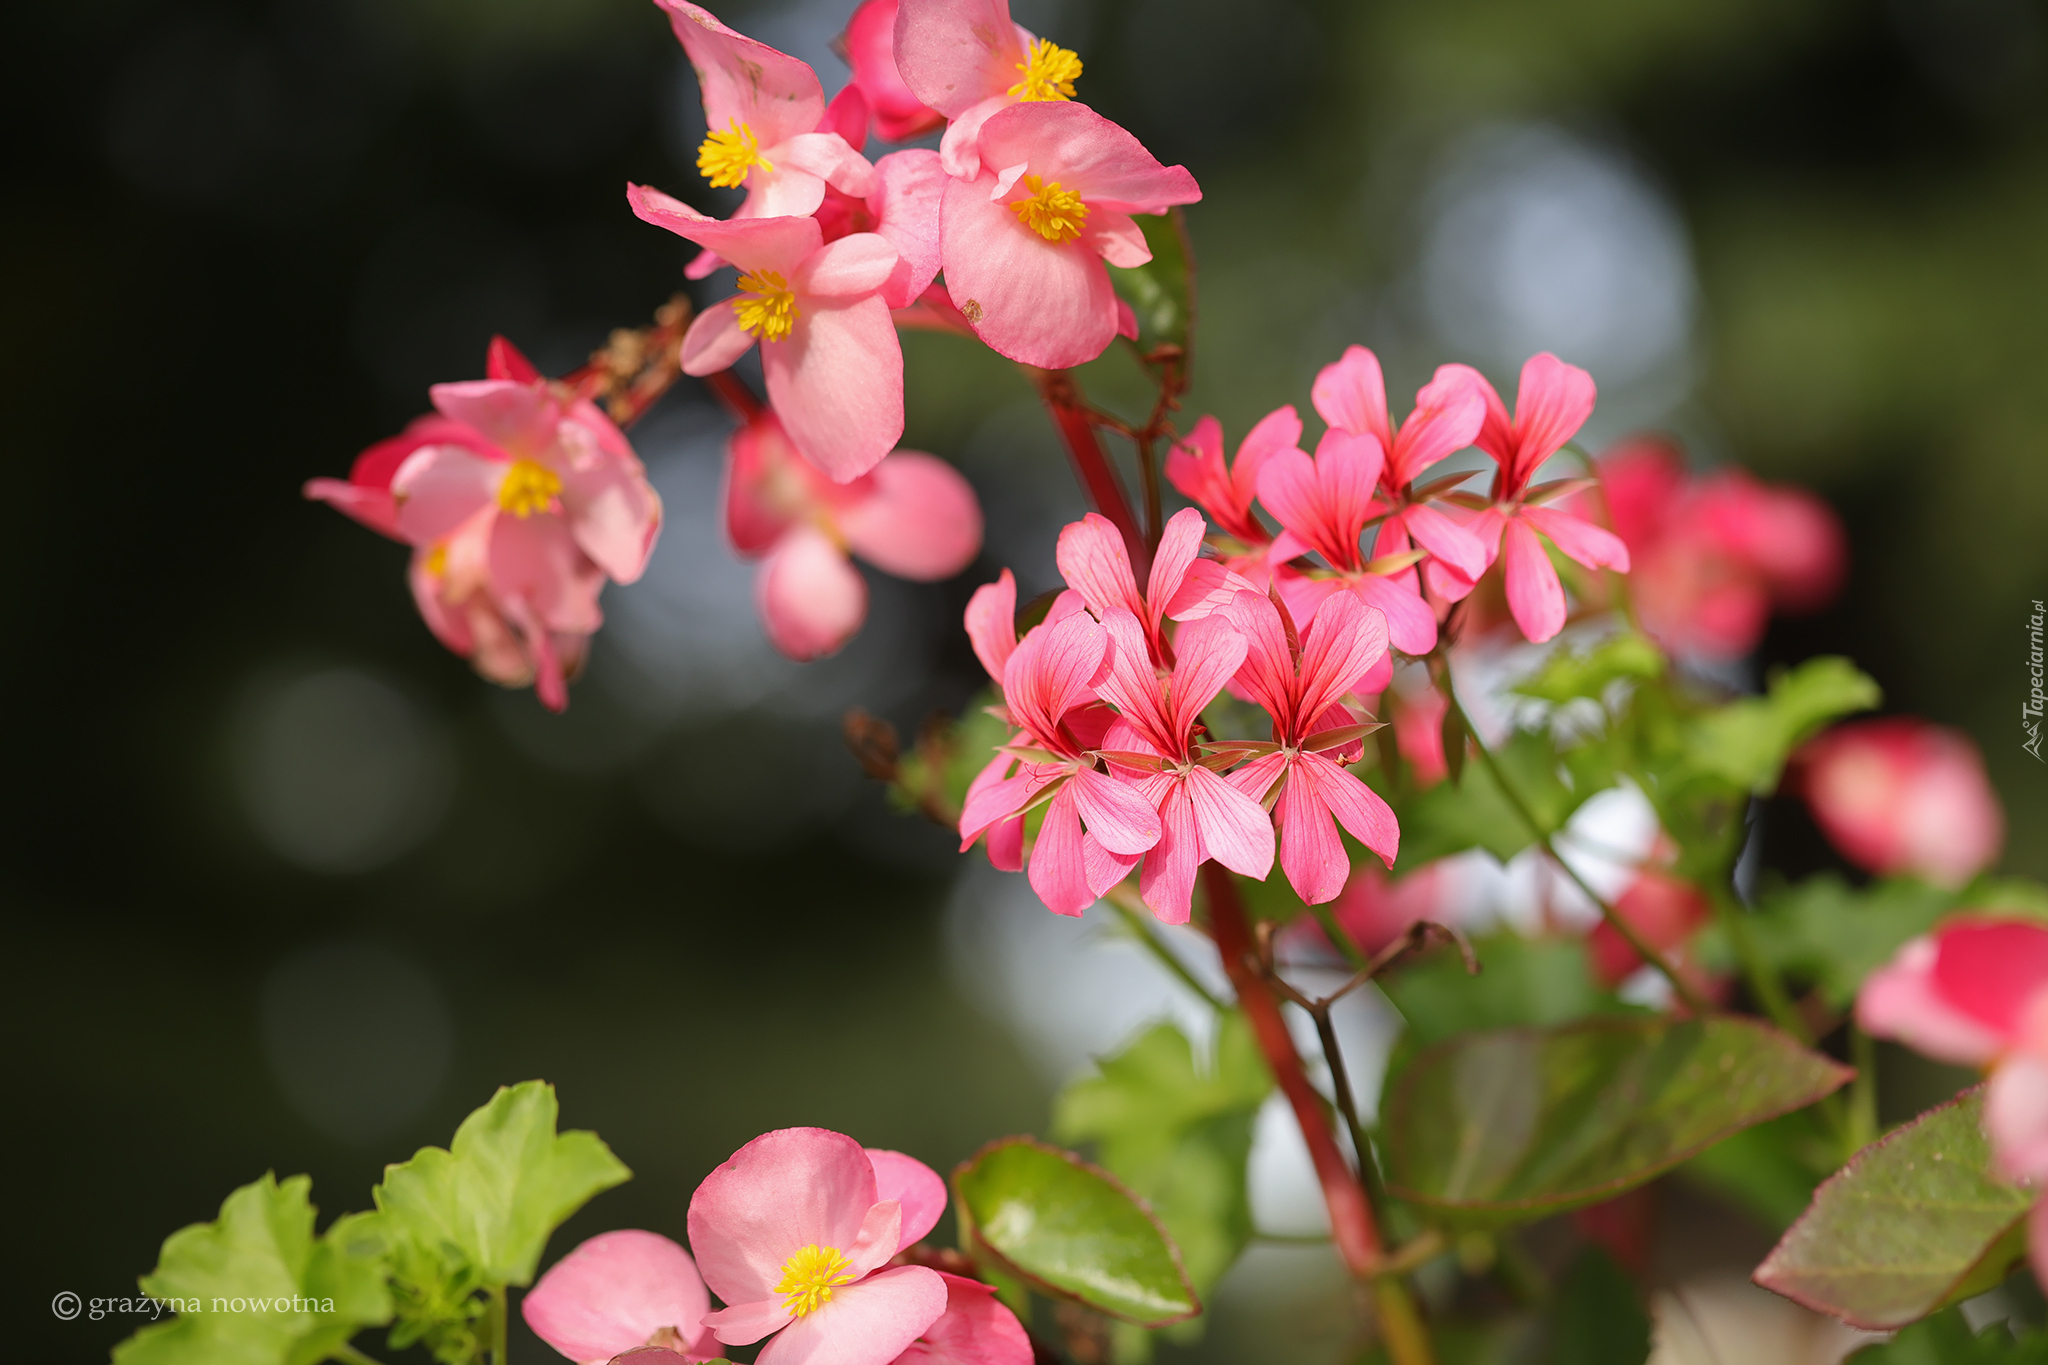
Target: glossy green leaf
point(256, 1287)
point(1571, 675)
point(1072, 1231)
point(1515, 1124)
point(1521, 981)
point(1916, 1220)
point(1160, 292)
point(1746, 742)
point(1946, 1339)
point(1178, 1135)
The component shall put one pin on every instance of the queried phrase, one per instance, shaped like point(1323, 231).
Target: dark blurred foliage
point(241, 238)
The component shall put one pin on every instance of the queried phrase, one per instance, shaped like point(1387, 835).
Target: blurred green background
point(290, 889)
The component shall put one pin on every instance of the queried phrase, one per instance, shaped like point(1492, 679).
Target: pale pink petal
point(915, 1186)
point(1535, 597)
point(373, 507)
point(760, 464)
point(992, 623)
point(773, 94)
point(811, 599)
point(837, 382)
point(1207, 652)
point(1411, 625)
point(1092, 558)
point(784, 1191)
point(1351, 394)
point(1167, 884)
point(922, 521)
point(960, 148)
point(1449, 410)
point(869, 1323)
point(714, 342)
point(1086, 153)
point(1195, 466)
point(974, 1330)
point(1236, 831)
point(953, 54)
point(881, 1235)
point(1497, 430)
point(1179, 543)
point(1311, 854)
point(855, 265)
point(898, 114)
point(1058, 872)
point(1901, 1000)
point(1582, 540)
point(517, 418)
point(614, 1292)
point(614, 513)
point(440, 487)
point(1357, 807)
point(761, 243)
point(1121, 820)
point(1278, 430)
point(536, 560)
point(1553, 402)
point(1118, 240)
point(829, 157)
point(910, 187)
point(742, 1324)
point(1038, 302)
point(2016, 1116)
point(1449, 541)
point(785, 192)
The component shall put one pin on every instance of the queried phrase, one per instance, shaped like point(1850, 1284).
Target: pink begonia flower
point(1325, 503)
point(974, 1330)
point(795, 1235)
point(519, 500)
point(618, 1291)
point(1182, 586)
point(968, 60)
point(898, 114)
point(1300, 680)
point(1351, 395)
point(1552, 403)
point(1096, 824)
point(904, 208)
point(1201, 816)
point(1024, 241)
point(913, 515)
point(828, 348)
point(1899, 795)
point(763, 109)
point(1975, 993)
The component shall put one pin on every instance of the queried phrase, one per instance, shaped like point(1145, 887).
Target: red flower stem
point(732, 391)
point(1061, 395)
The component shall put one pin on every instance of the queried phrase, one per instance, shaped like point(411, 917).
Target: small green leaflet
point(1570, 675)
point(256, 1287)
point(1746, 742)
point(1946, 1339)
point(1069, 1230)
point(1916, 1220)
point(1160, 292)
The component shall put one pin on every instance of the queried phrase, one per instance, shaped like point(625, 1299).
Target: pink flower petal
point(786, 192)
point(960, 148)
point(1311, 854)
point(992, 623)
point(857, 264)
point(869, 1323)
point(1087, 154)
point(846, 113)
point(881, 1235)
point(871, 51)
point(1342, 643)
point(614, 1292)
point(775, 95)
point(1411, 625)
point(922, 521)
point(742, 1324)
point(975, 1329)
point(1006, 845)
point(915, 1186)
point(1179, 543)
point(1236, 831)
point(1058, 872)
point(1121, 820)
point(1445, 539)
point(714, 342)
point(511, 416)
point(910, 187)
point(373, 507)
point(1121, 242)
point(953, 54)
point(770, 243)
point(829, 157)
point(1038, 302)
point(1167, 885)
point(1582, 540)
point(838, 384)
point(1449, 411)
point(614, 514)
point(1207, 652)
point(1535, 597)
point(536, 560)
point(440, 487)
point(1553, 402)
point(811, 599)
point(1053, 670)
point(1357, 807)
point(1092, 558)
point(784, 1191)
point(2016, 1117)
point(1350, 394)
point(1902, 1000)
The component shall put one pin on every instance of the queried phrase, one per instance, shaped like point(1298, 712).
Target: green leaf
point(1569, 676)
point(1071, 1231)
point(1474, 812)
point(1746, 742)
point(256, 1287)
point(1598, 1318)
point(1532, 981)
point(1501, 1127)
point(1916, 1220)
point(1160, 292)
point(1178, 1136)
point(505, 1183)
point(1828, 933)
point(1945, 1339)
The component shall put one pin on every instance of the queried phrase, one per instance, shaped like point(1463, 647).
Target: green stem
point(1863, 1123)
point(349, 1355)
point(1763, 983)
point(498, 1343)
point(1400, 1323)
point(1140, 924)
point(1340, 1086)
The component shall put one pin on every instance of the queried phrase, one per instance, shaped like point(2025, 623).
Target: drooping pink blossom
point(520, 500)
point(1024, 240)
point(794, 1233)
point(913, 515)
point(1095, 824)
point(828, 349)
point(1300, 679)
point(969, 61)
point(898, 114)
point(618, 1291)
point(975, 1329)
point(1552, 403)
point(1181, 586)
point(1898, 795)
point(1325, 503)
point(764, 109)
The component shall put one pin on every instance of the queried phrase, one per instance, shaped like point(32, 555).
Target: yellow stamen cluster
point(725, 158)
point(528, 488)
point(809, 1276)
point(437, 560)
point(766, 306)
point(1049, 73)
point(1053, 213)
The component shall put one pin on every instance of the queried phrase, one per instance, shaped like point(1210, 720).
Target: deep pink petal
point(1446, 539)
point(1351, 394)
point(1411, 625)
point(785, 1190)
point(1131, 685)
point(1179, 543)
point(992, 623)
point(1195, 466)
point(915, 1186)
point(846, 113)
point(1236, 831)
point(922, 521)
point(1119, 818)
point(975, 1329)
point(1582, 540)
point(1167, 884)
point(1535, 597)
point(1268, 672)
point(1287, 486)
point(1206, 589)
point(838, 384)
point(1257, 777)
point(988, 803)
point(1092, 558)
point(1342, 643)
point(1207, 652)
point(910, 187)
point(1006, 845)
point(898, 114)
point(1086, 153)
point(762, 243)
point(1357, 807)
point(1053, 670)
point(1553, 402)
point(1278, 430)
point(373, 507)
point(1449, 410)
point(1901, 1000)
point(1103, 868)
point(1311, 854)
point(869, 1323)
point(811, 599)
point(1058, 872)
point(760, 465)
point(614, 1292)
point(1992, 969)
point(775, 95)
point(1038, 302)
point(955, 53)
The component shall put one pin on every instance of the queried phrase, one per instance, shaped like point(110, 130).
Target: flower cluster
point(802, 1235)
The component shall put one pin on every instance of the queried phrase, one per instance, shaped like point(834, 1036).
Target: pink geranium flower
point(618, 1291)
point(1898, 795)
point(519, 500)
point(969, 61)
point(1181, 586)
point(1975, 993)
point(1553, 402)
point(795, 1233)
point(828, 348)
point(899, 115)
point(1024, 241)
point(912, 515)
point(764, 109)
point(1095, 824)
point(1300, 680)
point(1196, 467)
point(1201, 816)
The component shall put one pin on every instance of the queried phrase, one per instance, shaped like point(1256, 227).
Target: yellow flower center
point(1049, 73)
point(528, 488)
point(766, 307)
point(725, 158)
point(1053, 213)
point(808, 1278)
point(437, 560)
